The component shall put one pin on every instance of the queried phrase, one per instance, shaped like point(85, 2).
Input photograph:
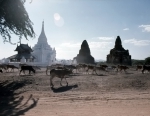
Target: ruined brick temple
point(84, 55)
point(118, 55)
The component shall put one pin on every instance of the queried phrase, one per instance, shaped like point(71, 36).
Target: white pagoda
point(42, 51)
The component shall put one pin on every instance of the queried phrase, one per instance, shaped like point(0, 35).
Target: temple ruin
point(84, 55)
point(118, 55)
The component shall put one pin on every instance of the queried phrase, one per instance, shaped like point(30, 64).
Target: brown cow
point(12, 67)
point(104, 66)
point(60, 74)
point(145, 68)
point(122, 67)
point(58, 66)
point(91, 67)
point(139, 67)
point(83, 66)
point(3, 66)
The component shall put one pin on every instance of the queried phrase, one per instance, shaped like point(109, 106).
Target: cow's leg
point(33, 72)
point(143, 71)
point(94, 71)
point(7, 69)
point(125, 70)
point(120, 69)
point(24, 71)
point(12, 70)
point(20, 71)
point(29, 72)
point(46, 71)
point(87, 71)
point(51, 83)
point(66, 81)
point(61, 80)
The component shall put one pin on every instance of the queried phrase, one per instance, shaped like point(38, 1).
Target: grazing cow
point(3, 66)
point(122, 67)
point(12, 67)
point(104, 66)
point(70, 66)
point(29, 68)
point(48, 68)
point(57, 66)
point(139, 67)
point(1, 71)
point(145, 68)
point(99, 68)
point(83, 66)
point(111, 68)
point(90, 67)
point(78, 67)
point(73, 67)
point(60, 74)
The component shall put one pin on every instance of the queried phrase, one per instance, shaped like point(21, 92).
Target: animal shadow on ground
point(26, 75)
point(63, 88)
point(11, 104)
point(101, 75)
point(128, 73)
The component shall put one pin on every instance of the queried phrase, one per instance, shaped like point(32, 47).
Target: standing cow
point(29, 68)
point(60, 74)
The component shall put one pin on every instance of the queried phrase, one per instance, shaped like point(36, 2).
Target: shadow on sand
point(101, 75)
point(129, 73)
point(63, 88)
point(11, 104)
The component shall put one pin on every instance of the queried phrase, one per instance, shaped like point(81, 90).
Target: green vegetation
point(141, 62)
point(147, 61)
point(14, 19)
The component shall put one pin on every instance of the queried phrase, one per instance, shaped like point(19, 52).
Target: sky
point(69, 22)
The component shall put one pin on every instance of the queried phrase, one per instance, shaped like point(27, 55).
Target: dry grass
point(85, 93)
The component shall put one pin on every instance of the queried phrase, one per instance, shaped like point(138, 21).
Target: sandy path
point(91, 104)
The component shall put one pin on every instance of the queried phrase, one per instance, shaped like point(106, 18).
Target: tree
point(137, 62)
point(147, 61)
point(14, 19)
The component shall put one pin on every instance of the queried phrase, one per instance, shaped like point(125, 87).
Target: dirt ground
point(108, 94)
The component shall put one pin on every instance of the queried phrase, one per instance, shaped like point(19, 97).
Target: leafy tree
point(147, 61)
point(14, 19)
point(137, 62)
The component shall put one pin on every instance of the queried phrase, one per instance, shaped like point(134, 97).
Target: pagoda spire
point(42, 38)
point(43, 26)
point(118, 44)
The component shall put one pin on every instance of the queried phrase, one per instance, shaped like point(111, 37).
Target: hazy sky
point(69, 22)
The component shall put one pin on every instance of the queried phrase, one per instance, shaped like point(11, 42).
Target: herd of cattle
point(59, 70)
point(77, 68)
point(22, 67)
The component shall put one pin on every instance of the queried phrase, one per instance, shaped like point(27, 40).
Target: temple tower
point(42, 50)
point(118, 55)
point(84, 55)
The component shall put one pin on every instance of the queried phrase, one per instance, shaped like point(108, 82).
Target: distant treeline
point(134, 62)
point(141, 62)
point(138, 62)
